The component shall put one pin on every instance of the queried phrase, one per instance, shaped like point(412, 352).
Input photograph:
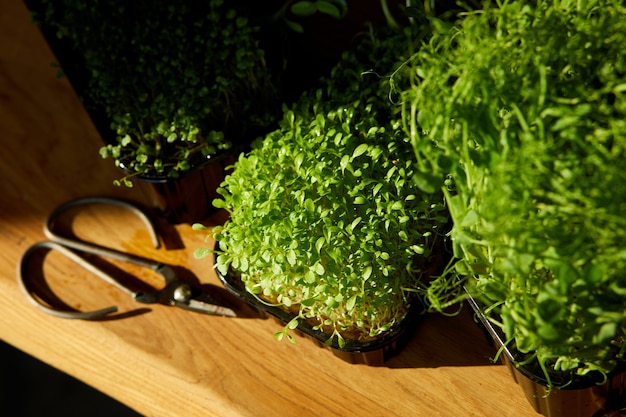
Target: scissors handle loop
point(97, 249)
point(29, 292)
point(70, 247)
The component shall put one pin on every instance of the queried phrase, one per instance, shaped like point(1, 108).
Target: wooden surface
point(171, 362)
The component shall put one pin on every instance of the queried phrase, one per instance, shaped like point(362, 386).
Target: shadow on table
point(440, 341)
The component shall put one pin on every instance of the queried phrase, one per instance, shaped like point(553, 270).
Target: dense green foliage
point(324, 217)
point(521, 110)
point(178, 80)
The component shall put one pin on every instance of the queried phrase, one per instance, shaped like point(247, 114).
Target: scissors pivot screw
point(182, 293)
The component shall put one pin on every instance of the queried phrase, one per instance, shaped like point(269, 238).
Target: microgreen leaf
point(201, 253)
point(303, 8)
point(360, 150)
point(329, 8)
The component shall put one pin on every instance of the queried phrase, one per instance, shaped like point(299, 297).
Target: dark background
point(31, 388)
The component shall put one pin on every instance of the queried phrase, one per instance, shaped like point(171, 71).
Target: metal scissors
point(174, 293)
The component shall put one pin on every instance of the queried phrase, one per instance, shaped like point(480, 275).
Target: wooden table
point(171, 362)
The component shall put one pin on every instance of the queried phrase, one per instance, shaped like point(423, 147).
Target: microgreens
point(518, 112)
point(325, 219)
point(178, 81)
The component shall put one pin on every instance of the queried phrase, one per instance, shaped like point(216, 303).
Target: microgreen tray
point(573, 395)
point(374, 352)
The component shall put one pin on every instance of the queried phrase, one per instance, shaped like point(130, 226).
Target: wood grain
point(169, 362)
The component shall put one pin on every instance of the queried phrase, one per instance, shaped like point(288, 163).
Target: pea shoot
point(518, 113)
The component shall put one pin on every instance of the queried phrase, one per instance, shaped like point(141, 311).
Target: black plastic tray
point(374, 352)
point(572, 395)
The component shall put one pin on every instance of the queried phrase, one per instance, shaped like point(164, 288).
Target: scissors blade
point(201, 302)
point(207, 308)
point(180, 294)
